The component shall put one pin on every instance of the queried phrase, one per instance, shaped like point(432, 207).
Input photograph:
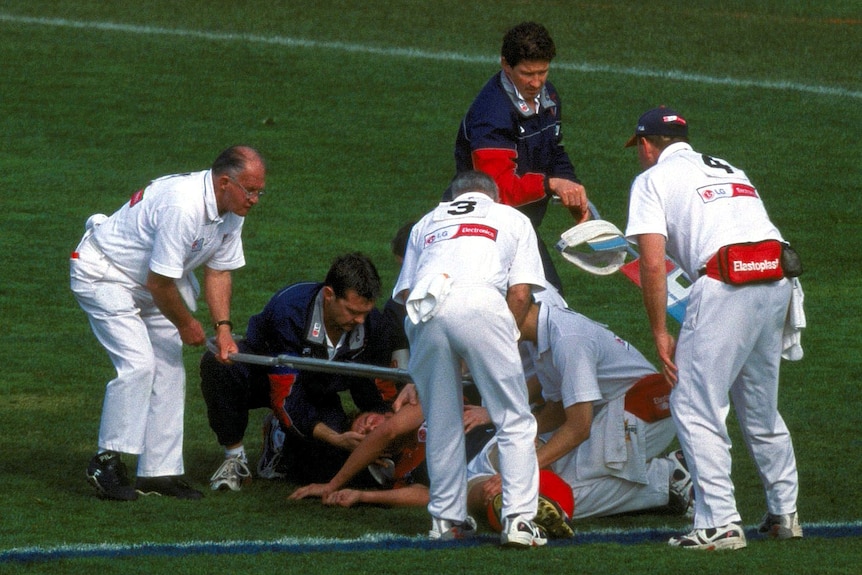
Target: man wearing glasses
point(133, 275)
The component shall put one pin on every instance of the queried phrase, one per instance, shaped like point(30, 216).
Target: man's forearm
point(366, 453)
point(519, 298)
point(654, 285)
point(167, 298)
point(411, 496)
point(218, 288)
point(653, 275)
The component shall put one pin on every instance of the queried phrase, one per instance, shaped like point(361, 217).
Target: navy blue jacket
point(291, 324)
point(518, 148)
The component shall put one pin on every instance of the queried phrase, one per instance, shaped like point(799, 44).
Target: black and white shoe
point(781, 526)
point(681, 491)
point(730, 536)
point(443, 530)
point(107, 473)
point(522, 533)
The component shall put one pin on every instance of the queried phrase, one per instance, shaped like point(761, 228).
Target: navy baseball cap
point(660, 122)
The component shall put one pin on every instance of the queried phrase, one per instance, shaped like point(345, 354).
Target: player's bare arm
point(167, 298)
point(654, 285)
point(519, 298)
point(550, 416)
point(410, 496)
point(481, 493)
point(574, 430)
point(218, 288)
point(373, 446)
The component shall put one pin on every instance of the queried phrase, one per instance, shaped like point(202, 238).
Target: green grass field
point(356, 106)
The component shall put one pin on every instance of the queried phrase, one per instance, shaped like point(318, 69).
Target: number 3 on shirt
point(461, 207)
point(458, 209)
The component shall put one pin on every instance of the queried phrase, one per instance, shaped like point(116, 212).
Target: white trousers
point(730, 348)
point(609, 495)
point(597, 490)
point(143, 408)
point(606, 487)
point(473, 324)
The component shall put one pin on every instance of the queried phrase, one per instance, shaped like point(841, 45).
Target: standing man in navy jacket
point(512, 132)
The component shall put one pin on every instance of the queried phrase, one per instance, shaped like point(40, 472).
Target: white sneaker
point(681, 492)
point(730, 536)
point(273, 443)
point(232, 474)
point(781, 526)
point(520, 532)
point(443, 530)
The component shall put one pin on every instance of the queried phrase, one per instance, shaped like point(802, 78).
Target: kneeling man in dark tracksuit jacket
point(335, 320)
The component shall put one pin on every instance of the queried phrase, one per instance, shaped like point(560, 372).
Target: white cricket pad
point(596, 246)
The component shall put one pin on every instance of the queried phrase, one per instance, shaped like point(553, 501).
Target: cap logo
point(659, 122)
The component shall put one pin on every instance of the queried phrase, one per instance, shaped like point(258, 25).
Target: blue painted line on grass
point(414, 53)
point(371, 542)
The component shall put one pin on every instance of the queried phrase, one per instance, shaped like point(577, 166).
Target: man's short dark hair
point(354, 271)
point(528, 41)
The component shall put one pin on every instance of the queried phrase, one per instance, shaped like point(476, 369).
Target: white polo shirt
point(699, 203)
point(473, 240)
point(171, 227)
point(579, 360)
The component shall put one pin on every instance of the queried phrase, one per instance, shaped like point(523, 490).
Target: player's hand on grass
point(312, 490)
point(343, 498)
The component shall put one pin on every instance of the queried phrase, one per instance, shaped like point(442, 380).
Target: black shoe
point(170, 486)
point(107, 473)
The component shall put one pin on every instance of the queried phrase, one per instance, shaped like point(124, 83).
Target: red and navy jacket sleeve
point(519, 152)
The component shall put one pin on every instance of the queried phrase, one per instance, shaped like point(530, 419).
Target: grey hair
point(474, 181)
point(234, 160)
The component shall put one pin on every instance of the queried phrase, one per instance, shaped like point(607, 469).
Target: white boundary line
point(414, 53)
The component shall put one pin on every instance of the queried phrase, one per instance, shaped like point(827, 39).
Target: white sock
point(236, 451)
